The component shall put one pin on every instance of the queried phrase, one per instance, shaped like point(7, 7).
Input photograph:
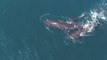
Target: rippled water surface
point(24, 37)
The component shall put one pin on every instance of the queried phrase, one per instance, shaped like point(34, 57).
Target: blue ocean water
point(24, 37)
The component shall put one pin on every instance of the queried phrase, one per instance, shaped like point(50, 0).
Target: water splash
point(88, 22)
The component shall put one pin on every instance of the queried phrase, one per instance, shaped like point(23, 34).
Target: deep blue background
point(24, 37)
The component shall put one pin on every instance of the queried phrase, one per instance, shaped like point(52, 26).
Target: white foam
point(54, 23)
